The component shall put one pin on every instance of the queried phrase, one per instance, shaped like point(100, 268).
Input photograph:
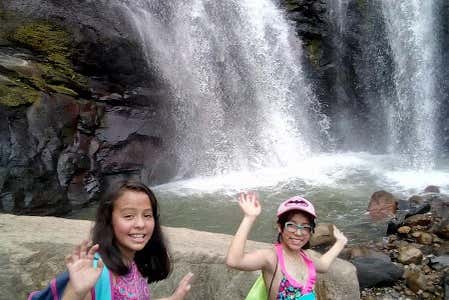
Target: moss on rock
point(53, 71)
point(17, 94)
point(313, 48)
point(53, 44)
point(47, 38)
point(63, 90)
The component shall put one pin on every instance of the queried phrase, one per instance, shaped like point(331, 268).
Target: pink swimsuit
point(289, 288)
point(131, 286)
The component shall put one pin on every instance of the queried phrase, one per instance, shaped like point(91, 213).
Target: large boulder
point(374, 271)
point(382, 205)
point(33, 249)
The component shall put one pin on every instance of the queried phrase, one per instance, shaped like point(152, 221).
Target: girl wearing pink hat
point(288, 269)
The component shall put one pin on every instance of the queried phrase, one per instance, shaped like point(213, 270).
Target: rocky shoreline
point(412, 261)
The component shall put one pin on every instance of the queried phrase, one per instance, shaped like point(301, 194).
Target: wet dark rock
point(419, 209)
point(446, 285)
point(432, 189)
point(440, 206)
point(70, 164)
point(442, 229)
point(405, 204)
point(127, 156)
point(440, 262)
point(397, 221)
point(373, 271)
point(141, 121)
point(419, 219)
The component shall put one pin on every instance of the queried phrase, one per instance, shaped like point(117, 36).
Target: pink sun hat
point(296, 203)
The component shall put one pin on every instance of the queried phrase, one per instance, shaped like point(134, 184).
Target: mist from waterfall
point(412, 118)
point(387, 60)
point(239, 96)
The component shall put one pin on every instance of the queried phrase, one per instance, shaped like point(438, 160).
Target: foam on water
point(337, 171)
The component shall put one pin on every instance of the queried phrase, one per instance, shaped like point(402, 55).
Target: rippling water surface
point(340, 186)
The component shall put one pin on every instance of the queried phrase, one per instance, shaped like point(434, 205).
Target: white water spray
point(412, 117)
point(239, 96)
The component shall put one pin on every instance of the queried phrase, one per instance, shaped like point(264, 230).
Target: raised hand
point(183, 287)
point(83, 275)
point(249, 203)
point(339, 236)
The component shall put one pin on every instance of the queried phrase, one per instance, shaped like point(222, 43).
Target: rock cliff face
point(74, 90)
point(33, 249)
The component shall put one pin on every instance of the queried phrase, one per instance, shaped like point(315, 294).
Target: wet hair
point(288, 215)
point(153, 261)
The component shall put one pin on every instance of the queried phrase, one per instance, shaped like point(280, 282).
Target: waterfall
point(338, 10)
point(338, 18)
point(412, 117)
point(239, 97)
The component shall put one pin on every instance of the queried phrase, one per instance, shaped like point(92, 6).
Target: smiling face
point(132, 222)
point(294, 241)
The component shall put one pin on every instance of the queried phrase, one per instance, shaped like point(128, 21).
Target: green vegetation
point(62, 90)
point(50, 70)
point(313, 49)
point(53, 42)
point(17, 94)
point(291, 5)
point(45, 37)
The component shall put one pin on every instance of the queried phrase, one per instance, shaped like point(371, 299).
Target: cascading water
point(412, 116)
point(240, 103)
point(239, 95)
point(343, 116)
point(337, 12)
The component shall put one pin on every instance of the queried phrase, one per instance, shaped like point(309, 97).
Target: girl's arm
point(182, 289)
point(323, 263)
point(236, 258)
point(83, 275)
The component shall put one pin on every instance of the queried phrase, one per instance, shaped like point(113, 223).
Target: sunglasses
point(293, 227)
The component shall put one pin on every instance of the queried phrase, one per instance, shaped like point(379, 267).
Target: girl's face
point(292, 237)
point(132, 222)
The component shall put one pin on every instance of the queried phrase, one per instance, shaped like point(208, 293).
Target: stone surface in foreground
point(32, 251)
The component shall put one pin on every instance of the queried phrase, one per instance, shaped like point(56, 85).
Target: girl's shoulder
point(270, 257)
point(312, 254)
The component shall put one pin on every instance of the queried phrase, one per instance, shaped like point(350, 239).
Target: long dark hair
point(153, 261)
point(285, 217)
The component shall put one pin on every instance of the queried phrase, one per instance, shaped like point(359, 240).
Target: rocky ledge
point(32, 251)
